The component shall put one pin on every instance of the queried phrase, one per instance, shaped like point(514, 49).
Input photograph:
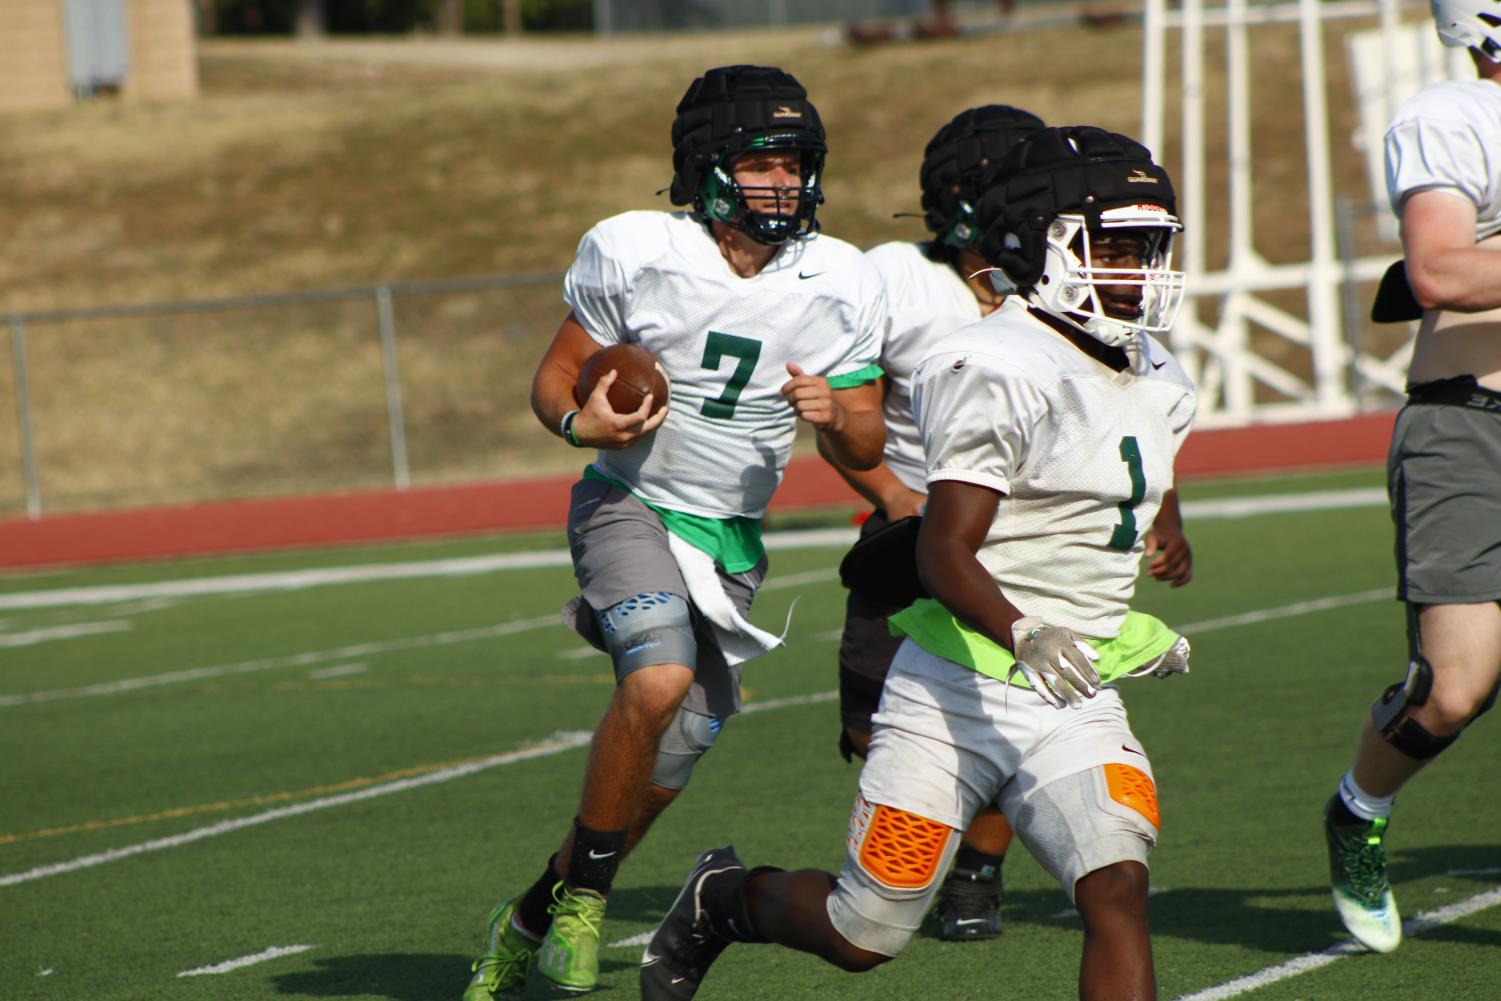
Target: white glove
point(1175, 661)
point(1055, 661)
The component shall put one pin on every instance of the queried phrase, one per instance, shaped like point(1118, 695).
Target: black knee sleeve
point(1391, 714)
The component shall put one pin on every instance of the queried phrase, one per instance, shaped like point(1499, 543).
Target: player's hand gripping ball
point(637, 373)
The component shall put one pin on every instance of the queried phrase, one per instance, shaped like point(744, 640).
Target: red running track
point(515, 506)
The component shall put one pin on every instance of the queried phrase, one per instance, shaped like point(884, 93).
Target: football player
point(1049, 429)
point(932, 288)
point(760, 322)
point(1443, 172)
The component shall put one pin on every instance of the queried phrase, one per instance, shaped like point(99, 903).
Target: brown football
point(638, 373)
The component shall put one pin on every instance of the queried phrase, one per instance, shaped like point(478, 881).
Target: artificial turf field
point(220, 758)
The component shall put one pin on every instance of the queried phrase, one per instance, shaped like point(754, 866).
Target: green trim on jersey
point(735, 543)
point(933, 627)
point(859, 377)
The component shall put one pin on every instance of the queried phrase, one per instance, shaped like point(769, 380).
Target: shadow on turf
point(404, 977)
point(1253, 918)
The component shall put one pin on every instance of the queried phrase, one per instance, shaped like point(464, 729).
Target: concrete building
point(54, 51)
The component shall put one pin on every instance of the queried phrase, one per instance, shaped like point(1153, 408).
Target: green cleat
point(569, 956)
point(1357, 872)
point(500, 974)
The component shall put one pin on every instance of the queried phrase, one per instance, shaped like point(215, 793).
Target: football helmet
point(733, 110)
point(1473, 24)
point(955, 161)
point(1082, 222)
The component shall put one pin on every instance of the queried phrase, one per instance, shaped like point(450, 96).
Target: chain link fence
point(409, 384)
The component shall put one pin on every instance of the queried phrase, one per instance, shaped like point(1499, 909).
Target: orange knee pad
point(899, 849)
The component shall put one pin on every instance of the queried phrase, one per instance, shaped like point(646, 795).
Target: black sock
point(976, 866)
point(531, 913)
point(596, 856)
point(725, 904)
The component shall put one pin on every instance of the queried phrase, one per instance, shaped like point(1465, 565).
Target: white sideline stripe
point(1234, 507)
point(445, 775)
point(49, 633)
point(275, 952)
point(1319, 500)
point(1426, 921)
point(1288, 611)
point(342, 653)
point(554, 745)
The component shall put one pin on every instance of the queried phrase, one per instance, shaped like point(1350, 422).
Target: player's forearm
point(1170, 515)
point(1464, 280)
point(879, 485)
point(856, 439)
point(552, 395)
point(951, 573)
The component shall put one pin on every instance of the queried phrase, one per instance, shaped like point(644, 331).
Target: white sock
point(1361, 803)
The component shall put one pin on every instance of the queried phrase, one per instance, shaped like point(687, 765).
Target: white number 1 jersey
point(1081, 454)
point(658, 279)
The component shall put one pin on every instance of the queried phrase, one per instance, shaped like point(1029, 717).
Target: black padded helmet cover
point(956, 160)
point(727, 107)
point(1081, 170)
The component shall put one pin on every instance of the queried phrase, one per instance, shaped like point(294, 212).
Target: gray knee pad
point(688, 736)
point(647, 629)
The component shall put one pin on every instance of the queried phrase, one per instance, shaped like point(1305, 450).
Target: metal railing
point(184, 400)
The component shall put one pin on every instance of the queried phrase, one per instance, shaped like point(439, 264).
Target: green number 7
point(719, 347)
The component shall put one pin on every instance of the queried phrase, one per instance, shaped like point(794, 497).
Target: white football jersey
point(657, 279)
point(925, 301)
point(1447, 137)
point(1082, 455)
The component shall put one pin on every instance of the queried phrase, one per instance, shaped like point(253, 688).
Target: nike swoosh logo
point(970, 921)
point(813, 275)
point(1131, 750)
point(678, 980)
point(648, 957)
point(596, 855)
point(1158, 364)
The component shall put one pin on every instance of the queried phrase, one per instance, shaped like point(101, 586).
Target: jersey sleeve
point(1181, 417)
point(597, 288)
point(861, 363)
point(977, 421)
point(1435, 153)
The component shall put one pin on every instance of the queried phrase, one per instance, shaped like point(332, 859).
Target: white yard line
point(575, 740)
point(49, 634)
point(338, 671)
point(342, 653)
point(292, 660)
point(290, 580)
point(275, 952)
point(1426, 921)
point(555, 745)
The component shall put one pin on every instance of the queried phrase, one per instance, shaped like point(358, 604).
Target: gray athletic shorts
point(1444, 480)
point(620, 550)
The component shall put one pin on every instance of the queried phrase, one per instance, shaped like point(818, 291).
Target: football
point(638, 373)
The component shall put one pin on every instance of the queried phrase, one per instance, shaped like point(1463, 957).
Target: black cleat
point(684, 945)
point(969, 906)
